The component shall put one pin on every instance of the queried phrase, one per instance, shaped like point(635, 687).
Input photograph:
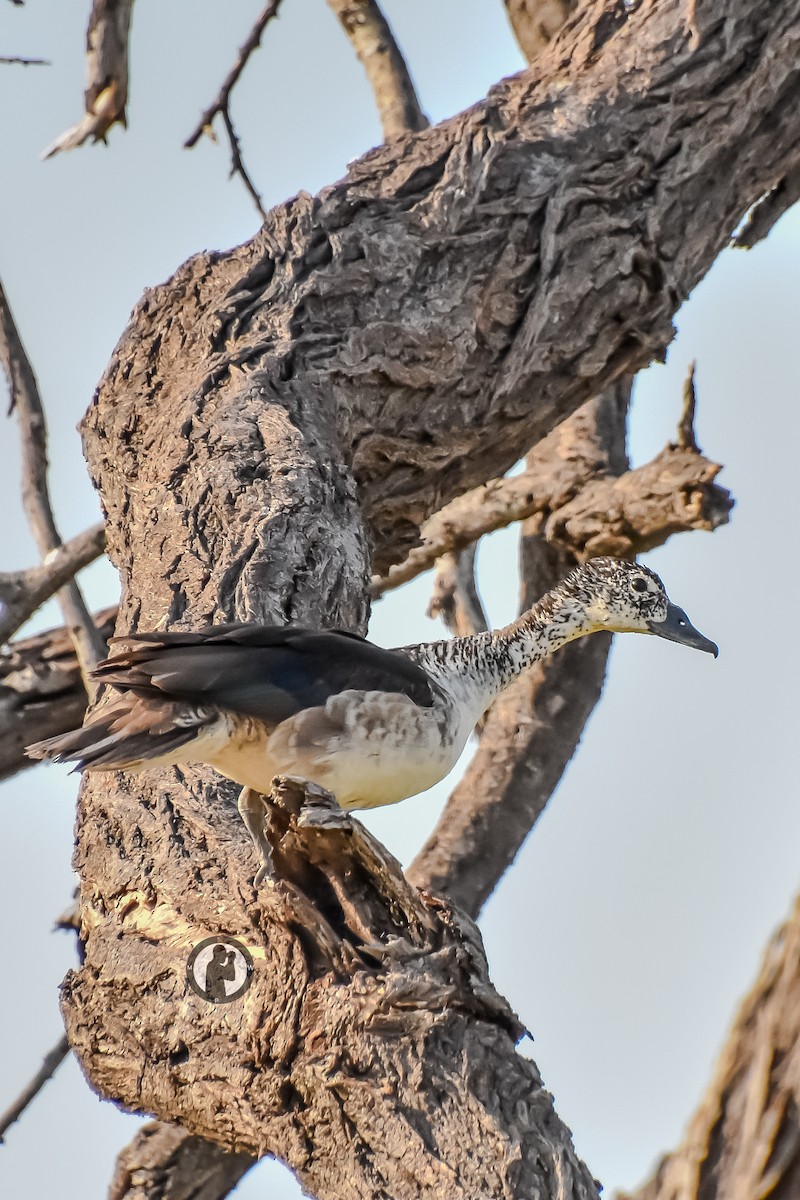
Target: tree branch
point(375, 352)
point(744, 1139)
point(106, 92)
point(770, 208)
point(482, 232)
point(24, 62)
point(41, 691)
point(531, 732)
point(27, 404)
point(50, 1064)
point(627, 515)
point(454, 595)
point(378, 52)
point(250, 44)
point(536, 22)
point(165, 1161)
point(221, 105)
point(22, 592)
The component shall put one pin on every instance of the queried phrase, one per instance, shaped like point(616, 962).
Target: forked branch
point(26, 403)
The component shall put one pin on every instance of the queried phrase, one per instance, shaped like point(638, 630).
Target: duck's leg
point(253, 811)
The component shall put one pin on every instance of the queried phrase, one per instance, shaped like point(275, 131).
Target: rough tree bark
point(744, 1140)
point(269, 414)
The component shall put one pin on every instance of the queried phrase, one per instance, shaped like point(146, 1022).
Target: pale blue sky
point(635, 914)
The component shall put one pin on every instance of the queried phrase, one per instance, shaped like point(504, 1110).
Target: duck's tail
point(128, 735)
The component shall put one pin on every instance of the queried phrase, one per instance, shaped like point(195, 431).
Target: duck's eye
point(639, 584)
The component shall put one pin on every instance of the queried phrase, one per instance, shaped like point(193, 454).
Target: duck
point(372, 726)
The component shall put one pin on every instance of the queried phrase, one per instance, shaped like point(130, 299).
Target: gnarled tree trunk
point(275, 414)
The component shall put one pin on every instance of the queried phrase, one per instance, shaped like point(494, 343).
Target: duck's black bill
point(676, 627)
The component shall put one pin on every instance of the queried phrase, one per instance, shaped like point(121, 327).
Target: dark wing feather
point(263, 671)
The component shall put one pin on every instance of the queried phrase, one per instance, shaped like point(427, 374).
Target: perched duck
point(373, 726)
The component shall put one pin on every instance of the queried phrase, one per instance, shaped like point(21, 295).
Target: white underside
point(368, 748)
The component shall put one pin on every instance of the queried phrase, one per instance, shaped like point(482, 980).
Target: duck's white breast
point(368, 748)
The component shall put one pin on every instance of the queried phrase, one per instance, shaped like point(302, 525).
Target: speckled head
point(626, 597)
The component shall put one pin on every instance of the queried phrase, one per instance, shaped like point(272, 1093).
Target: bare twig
point(22, 592)
point(106, 91)
point(381, 58)
point(25, 62)
point(251, 43)
point(50, 1064)
point(221, 105)
point(27, 403)
point(237, 163)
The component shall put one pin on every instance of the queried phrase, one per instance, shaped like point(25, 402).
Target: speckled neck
point(485, 664)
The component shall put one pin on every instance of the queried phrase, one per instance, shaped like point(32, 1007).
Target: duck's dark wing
point(267, 672)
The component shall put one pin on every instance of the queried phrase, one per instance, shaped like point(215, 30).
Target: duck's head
point(625, 597)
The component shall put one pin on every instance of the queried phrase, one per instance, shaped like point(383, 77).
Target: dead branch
point(744, 1139)
point(50, 1064)
point(26, 403)
point(769, 210)
point(106, 93)
point(536, 22)
point(687, 439)
point(454, 595)
point(25, 62)
point(221, 105)
point(41, 691)
point(166, 1161)
point(237, 163)
point(22, 592)
point(374, 43)
point(626, 515)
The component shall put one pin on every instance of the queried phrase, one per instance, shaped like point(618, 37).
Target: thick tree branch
point(22, 592)
point(26, 403)
point(744, 1139)
point(405, 333)
point(163, 1162)
point(627, 515)
point(472, 242)
point(106, 92)
point(378, 52)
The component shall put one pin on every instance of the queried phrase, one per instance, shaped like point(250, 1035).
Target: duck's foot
point(253, 811)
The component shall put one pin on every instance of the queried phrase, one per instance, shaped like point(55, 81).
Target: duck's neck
point(486, 663)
